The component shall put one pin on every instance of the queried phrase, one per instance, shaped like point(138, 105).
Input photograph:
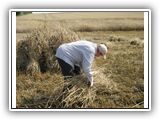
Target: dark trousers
point(67, 70)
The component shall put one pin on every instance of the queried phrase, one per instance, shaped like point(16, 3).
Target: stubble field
point(118, 80)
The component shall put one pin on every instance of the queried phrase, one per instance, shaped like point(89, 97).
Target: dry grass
point(84, 21)
point(112, 24)
point(93, 15)
point(118, 80)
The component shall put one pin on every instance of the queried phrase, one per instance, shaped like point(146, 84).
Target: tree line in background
point(21, 13)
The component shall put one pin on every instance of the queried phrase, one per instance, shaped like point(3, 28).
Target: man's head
point(101, 51)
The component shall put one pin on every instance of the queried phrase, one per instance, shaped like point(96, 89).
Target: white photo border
point(147, 58)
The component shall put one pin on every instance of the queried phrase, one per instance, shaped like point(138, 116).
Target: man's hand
point(90, 84)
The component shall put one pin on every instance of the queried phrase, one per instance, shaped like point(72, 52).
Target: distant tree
point(27, 13)
point(18, 13)
point(23, 13)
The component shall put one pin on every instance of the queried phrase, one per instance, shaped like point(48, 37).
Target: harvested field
point(118, 80)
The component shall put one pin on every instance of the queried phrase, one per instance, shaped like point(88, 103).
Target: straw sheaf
point(41, 46)
point(33, 66)
point(22, 55)
point(77, 93)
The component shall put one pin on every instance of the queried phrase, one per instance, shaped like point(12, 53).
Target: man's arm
point(86, 64)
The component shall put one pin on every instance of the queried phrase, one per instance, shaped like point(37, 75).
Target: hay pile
point(75, 92)
point(36, 53)
point(113, 38)
point(134, 42)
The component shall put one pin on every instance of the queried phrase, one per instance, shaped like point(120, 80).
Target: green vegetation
point(22, 13)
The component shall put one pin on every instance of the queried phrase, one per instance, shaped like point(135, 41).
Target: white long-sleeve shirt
point(79, 52)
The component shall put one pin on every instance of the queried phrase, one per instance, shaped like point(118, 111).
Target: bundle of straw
point(22, 55)
point(41, 46)
point(78, 94)
point(33, 66)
